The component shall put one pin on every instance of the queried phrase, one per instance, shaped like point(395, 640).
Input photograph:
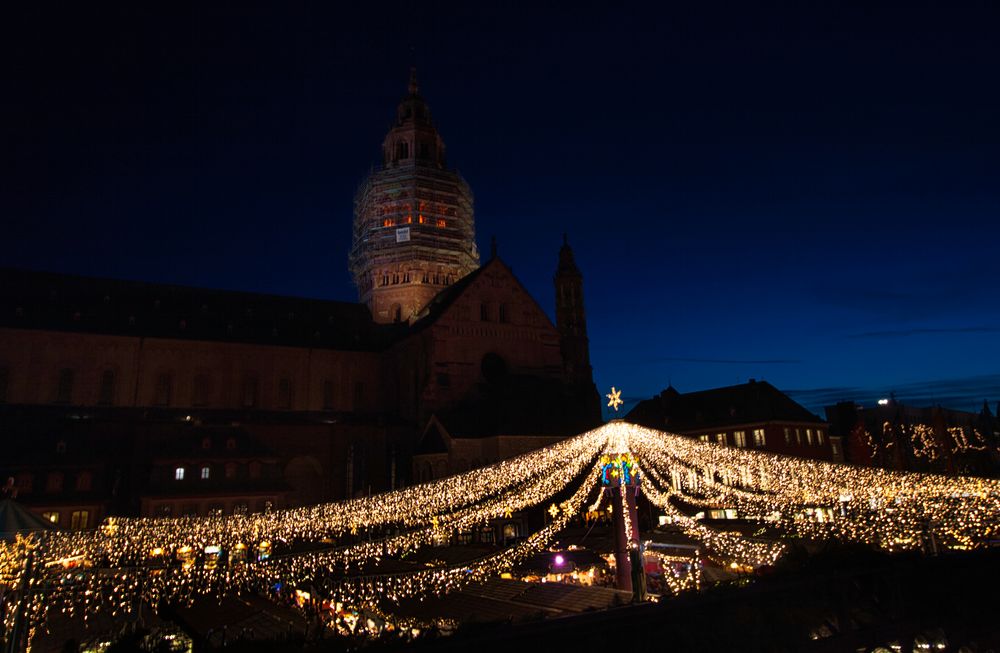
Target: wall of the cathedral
point(80, 369)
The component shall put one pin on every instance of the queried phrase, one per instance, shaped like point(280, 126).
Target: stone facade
point(335, 394)
point(414, 230)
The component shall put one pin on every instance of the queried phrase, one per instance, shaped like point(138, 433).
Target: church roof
point(60, 302)
point(747, 403)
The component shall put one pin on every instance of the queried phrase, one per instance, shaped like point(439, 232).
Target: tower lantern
point(414, 229)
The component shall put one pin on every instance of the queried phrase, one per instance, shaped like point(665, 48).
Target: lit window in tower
point(388, 222)
point(441, 223)
point(420, 219)
point(409, 219)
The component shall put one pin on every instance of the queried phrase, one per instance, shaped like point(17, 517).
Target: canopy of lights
point(335, 549)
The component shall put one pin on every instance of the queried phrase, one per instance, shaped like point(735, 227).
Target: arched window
point(106, 396)
point(200, 390)
point(84, 481)
point(54, 482)
point(249, 391)
point(285, 394)
point(4, 382)
point(164, 387)
point(64, 389)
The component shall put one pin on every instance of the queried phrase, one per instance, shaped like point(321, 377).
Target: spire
point(414, 89)
point(567, 265)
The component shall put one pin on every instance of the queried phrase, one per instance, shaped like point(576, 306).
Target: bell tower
point(571, 319)
point(414, 229)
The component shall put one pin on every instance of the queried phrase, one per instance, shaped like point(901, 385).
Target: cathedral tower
point(414, 231)
point(571, 320)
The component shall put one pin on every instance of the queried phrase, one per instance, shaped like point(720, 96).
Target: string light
point(179, 559)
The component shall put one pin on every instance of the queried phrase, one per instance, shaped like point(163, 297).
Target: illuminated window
point(420, 219)
point(809, 436)
point(721, 438)
point(834, 449)
point(51, 516)
point(819, 437)
point(179, 474)
point(388, 222)
point(740, 437)
point(703, 438)
point(79, 520)
point(106, 395)
point(206, 472)
point(64, 390)
point(441, 223)
point(788, 435)
point(758, 438)
point(798, 437)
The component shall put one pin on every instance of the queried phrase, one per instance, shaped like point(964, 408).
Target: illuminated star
point(553, 510)
point(614, 398)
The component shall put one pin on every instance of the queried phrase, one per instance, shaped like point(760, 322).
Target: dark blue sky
point(804, 194)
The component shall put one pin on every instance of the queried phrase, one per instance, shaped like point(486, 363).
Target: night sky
point(807, 194)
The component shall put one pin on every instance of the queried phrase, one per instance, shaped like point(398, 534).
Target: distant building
point(753, 415)
point(326, 399)
point(933, 439)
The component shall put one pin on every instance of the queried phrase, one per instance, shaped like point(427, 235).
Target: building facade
point(325, 399)
point(753, 415)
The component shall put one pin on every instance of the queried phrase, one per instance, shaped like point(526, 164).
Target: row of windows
point(809, 439)
point(396, 278)
point(739, 438)
point(812, 437)
point(205, 471)
point(163, 390)
point(78, 519)
point(421, 219)
point(486, 313)
point(55, 482)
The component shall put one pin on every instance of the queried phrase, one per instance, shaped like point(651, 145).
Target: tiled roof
point(753, 402)
point(60, 302)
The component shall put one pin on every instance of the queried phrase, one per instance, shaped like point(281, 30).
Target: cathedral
point(121, 397)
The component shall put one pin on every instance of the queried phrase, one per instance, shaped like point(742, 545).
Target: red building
point(331, 396)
